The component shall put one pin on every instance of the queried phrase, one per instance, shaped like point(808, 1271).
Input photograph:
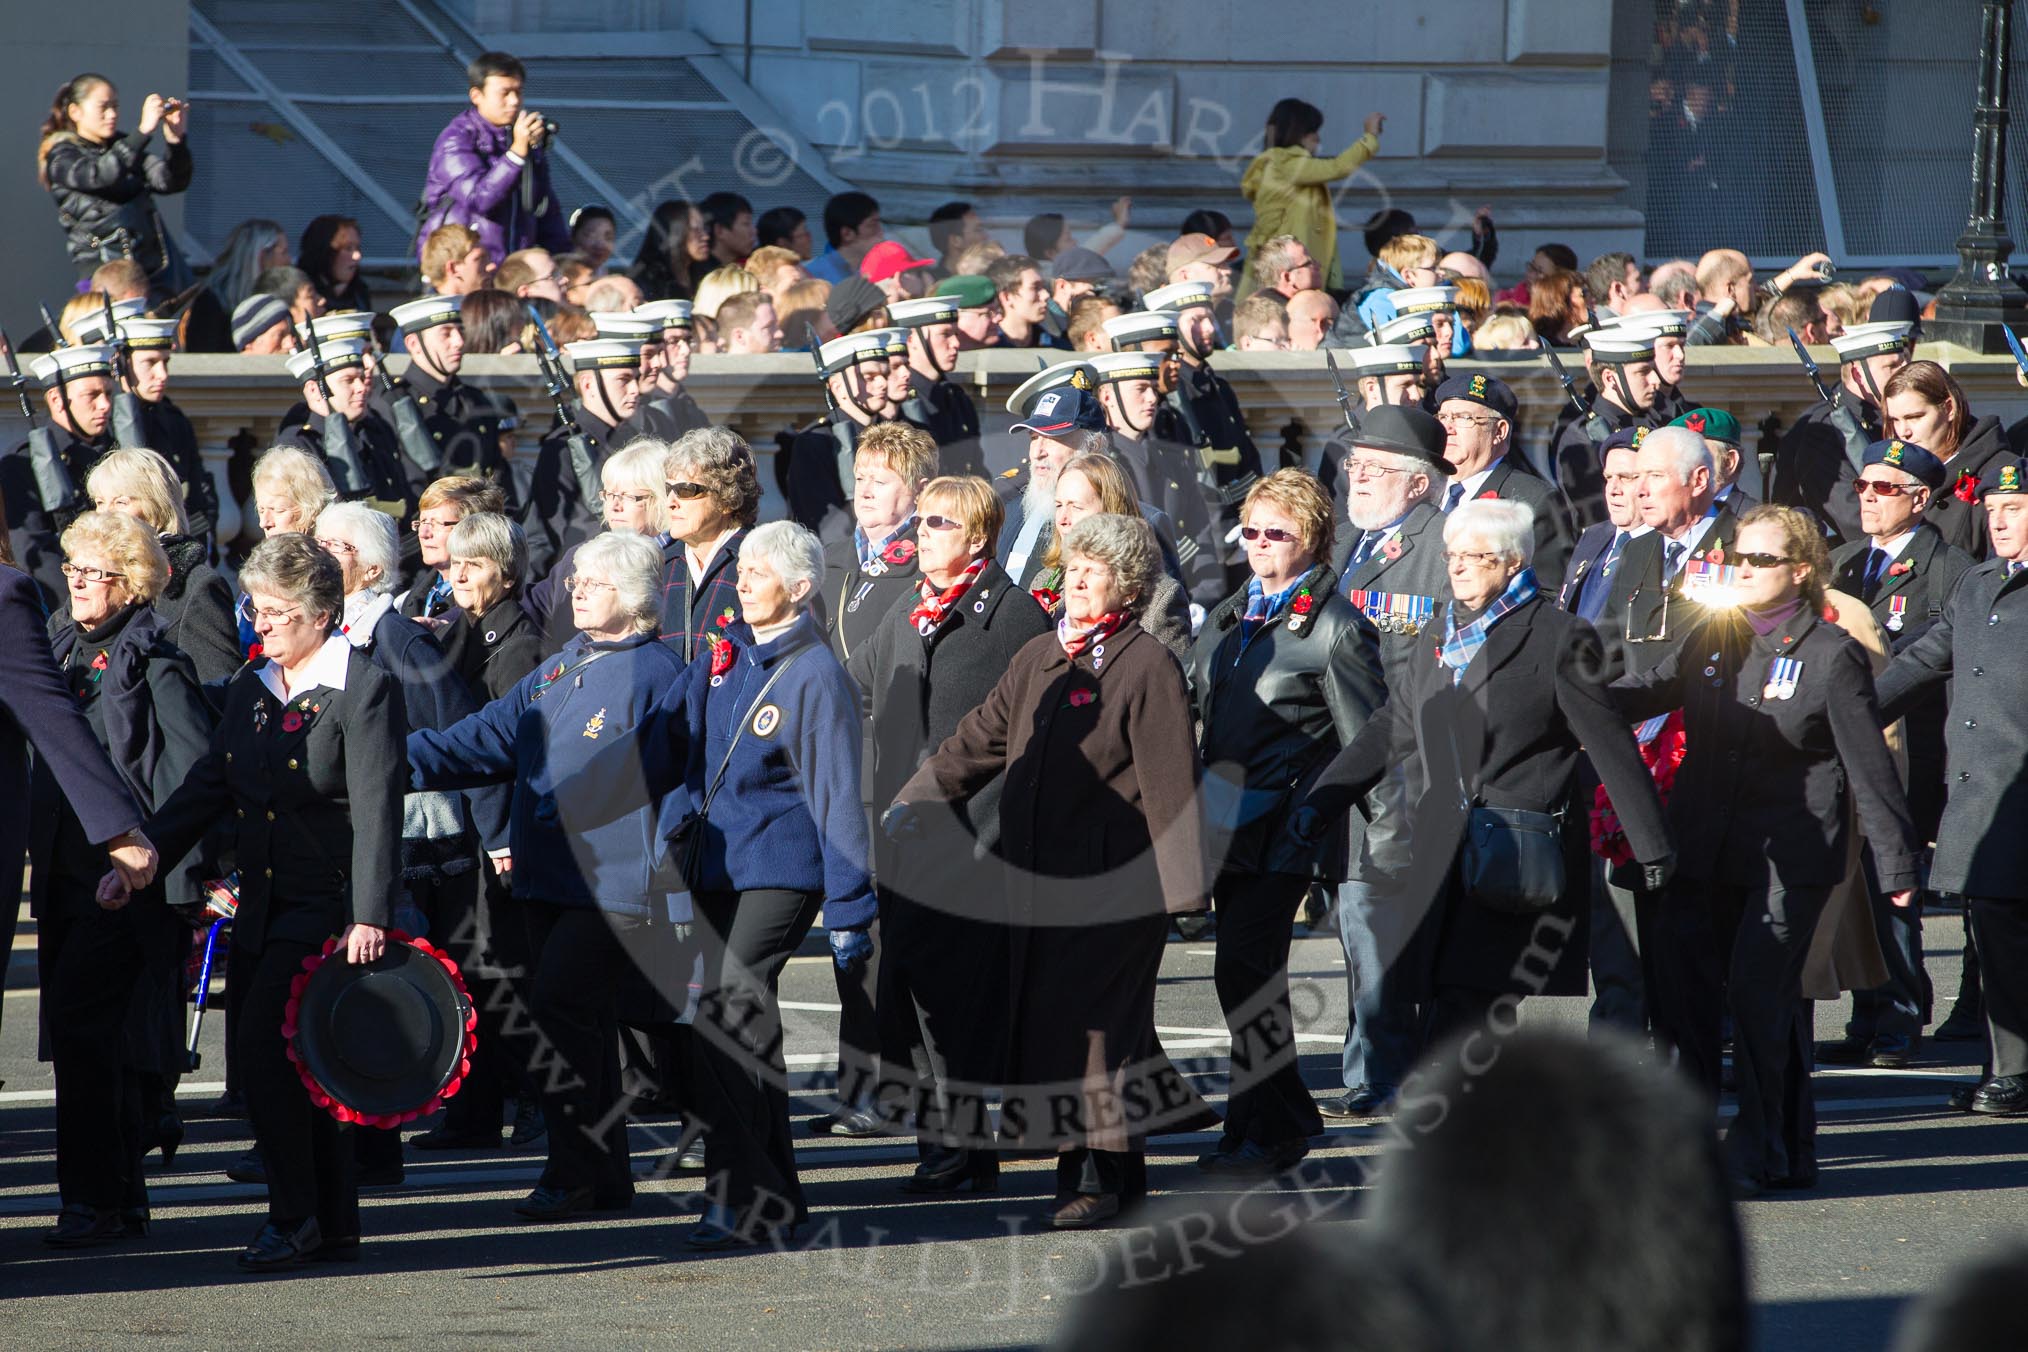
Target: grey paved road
point(1908, 1190)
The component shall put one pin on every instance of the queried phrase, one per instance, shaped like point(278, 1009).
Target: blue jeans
point(1381, 1041)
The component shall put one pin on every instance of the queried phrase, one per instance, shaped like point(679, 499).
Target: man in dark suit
point(1596, 557)
point(1646, 612)
point(1720, 431)
point(1479, 415)
point(1904, 572)
point(1981, 852)
point(37, 710)
point(1392, 564)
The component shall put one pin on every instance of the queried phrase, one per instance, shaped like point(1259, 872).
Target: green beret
point(1713, 424)
point(972, 292)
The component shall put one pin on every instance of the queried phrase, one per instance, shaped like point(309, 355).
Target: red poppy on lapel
point(1392, 549)
point(1967, 489)
point(1081, 697)
point(898, 552)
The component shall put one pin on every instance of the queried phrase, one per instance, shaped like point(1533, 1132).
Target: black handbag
point(688, 837)
point(1512, 860)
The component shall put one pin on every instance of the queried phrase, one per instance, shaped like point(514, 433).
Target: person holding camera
point(105, 183)
point(489, 168)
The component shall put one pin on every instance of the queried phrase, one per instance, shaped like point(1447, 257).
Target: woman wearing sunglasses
point(1285, 673)
point(943, 968)
point(1782, 739)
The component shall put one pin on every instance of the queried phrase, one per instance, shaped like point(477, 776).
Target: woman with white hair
point(762, 734)
point(290, 487)
point(195, 603)
point(439, 837)
point(1496, 705)
point(631, 489)
point(586, 890)
point(1099, 825)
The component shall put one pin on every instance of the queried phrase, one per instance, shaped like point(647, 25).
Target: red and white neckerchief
point(1075, 641)
point(935, 605)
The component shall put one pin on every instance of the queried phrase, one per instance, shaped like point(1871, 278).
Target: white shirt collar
point(327, 668)
point(363, 610)
point(1476, 483)
point(700, 564)
point(1895, 545)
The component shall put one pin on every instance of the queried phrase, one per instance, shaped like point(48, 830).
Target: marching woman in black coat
point(1495, 707)
point(306, 770)
point(1285, 673)
point(109, 988)
point(1779, 721)
point(943, 973)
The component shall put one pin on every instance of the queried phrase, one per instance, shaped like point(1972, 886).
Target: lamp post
point(1983, 296)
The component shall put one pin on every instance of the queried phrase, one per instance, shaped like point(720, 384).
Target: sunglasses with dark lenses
point(941, 523)
point(1878, 487)
point(686, 491)
point(1762, 560)
point(1274, 533)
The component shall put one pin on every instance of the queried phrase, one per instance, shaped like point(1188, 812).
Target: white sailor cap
point(1661, 323)
point(603, 354)
point(427, 312)
point(1405, 329)
point(1078, 373)
point(625, 324)
point(1421, 300)
point(1112, 368)
point(670, 314)
point(897, 340)
point(1178, 296)
point(1621, 343)
point(145, 335)
point(1385, 359)
point(1598, 317)
point(1868, 340)
point(1140, 326)
point(853, 348)
point(924, 311)
point(339, 325)
point(72, 363)
point(91, 327)
point(338, 353)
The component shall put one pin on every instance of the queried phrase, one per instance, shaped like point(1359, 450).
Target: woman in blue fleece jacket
point(585, 891)
point(767, 716)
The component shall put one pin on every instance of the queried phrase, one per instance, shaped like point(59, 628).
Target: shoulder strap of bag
point(718, 777)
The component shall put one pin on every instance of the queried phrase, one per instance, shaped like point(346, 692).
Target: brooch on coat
point(1967, 487)
point(721, 657)
point(595, 725)
point(1897, 610)
point(296, 719)
point(1299, 610)
point(96, 672)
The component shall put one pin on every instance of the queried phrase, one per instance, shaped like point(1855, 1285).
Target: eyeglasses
point(620, 498)
point(941, 523)
point(1879, 488)
point(1761, 560)
point(1463, 419)
point(585, 586)
point(336, 546)
point(72, 570)
point(1367, 469)
point(422, 523)
point(1472, 557)
point(686, 491)
point(275, 619)
point(1273, 533)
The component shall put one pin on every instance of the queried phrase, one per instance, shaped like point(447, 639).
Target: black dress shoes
point(529, 1126)
point(1085, 1211)
point(1251, 1159)
point(554, 1204)
point(443, 1138)
point(1960, 1100)
point(1892, 1051)
point(1846, 1051)
point(1362, 1104)
point(275, 1248)
point(248, 1168)
point(85, 1227)
point(2002, 1096)
point(979, 1171)
point(853, 1122)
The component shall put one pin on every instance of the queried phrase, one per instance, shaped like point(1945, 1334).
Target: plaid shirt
point(689, 614)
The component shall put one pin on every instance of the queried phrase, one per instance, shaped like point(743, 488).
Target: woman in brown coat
point(1099, 828)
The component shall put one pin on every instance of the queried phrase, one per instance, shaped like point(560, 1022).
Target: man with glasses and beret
point(1479, 415)
point(1904, 572)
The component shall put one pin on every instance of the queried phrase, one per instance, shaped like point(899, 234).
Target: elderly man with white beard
point(1391, 565)
point(1062, 418)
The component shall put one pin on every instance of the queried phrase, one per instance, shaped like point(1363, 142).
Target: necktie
point(1451, 498)
point(438, 600)
point(1597, 585)
point(1876, 563)
point(1367, 541)
point(1672, 554)
point(2015, 568)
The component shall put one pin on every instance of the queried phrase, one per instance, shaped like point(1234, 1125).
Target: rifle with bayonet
point(1595, 427)
point(1841, 415)
point(582, 462)
point(406, 415)
point(1346, 405)
point(127, 433)
point(340, 442)
point(52, 480)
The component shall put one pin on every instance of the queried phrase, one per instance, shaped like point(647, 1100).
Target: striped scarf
point(1075, 641)
point(935, 605)
point(1461, 645)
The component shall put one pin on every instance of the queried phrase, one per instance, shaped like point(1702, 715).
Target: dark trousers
point(308, 1155)
point(1268, 1104)
point(1693, 930)
point(859, 1027)
point(462, 917)
point(1384, 1034)
point(1900, 1007)
point(941, 1006)
point(580, 957)
point(742, 1088)
point(2000, 929)
point(1622, 952)
point(1082, 1171)
point(91, 964)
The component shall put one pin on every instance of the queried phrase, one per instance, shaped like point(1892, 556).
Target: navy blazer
point(37, 710)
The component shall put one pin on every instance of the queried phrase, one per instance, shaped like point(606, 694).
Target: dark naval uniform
point(165, 429)
point(946, 412)
point(1163, 478)
point(1813, 470)
point(1216, 411)
point(1580, 461)
point(556, 514)
point(820, 476)
point(467, 424)
point(667, 416)
point(34, 528)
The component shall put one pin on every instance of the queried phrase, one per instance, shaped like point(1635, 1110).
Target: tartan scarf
point(1461, 645)
point(1075, 642)
point(935, 605)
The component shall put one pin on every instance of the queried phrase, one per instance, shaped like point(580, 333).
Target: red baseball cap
point(889, 258)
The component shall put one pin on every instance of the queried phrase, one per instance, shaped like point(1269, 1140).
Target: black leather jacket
point(104, 190)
